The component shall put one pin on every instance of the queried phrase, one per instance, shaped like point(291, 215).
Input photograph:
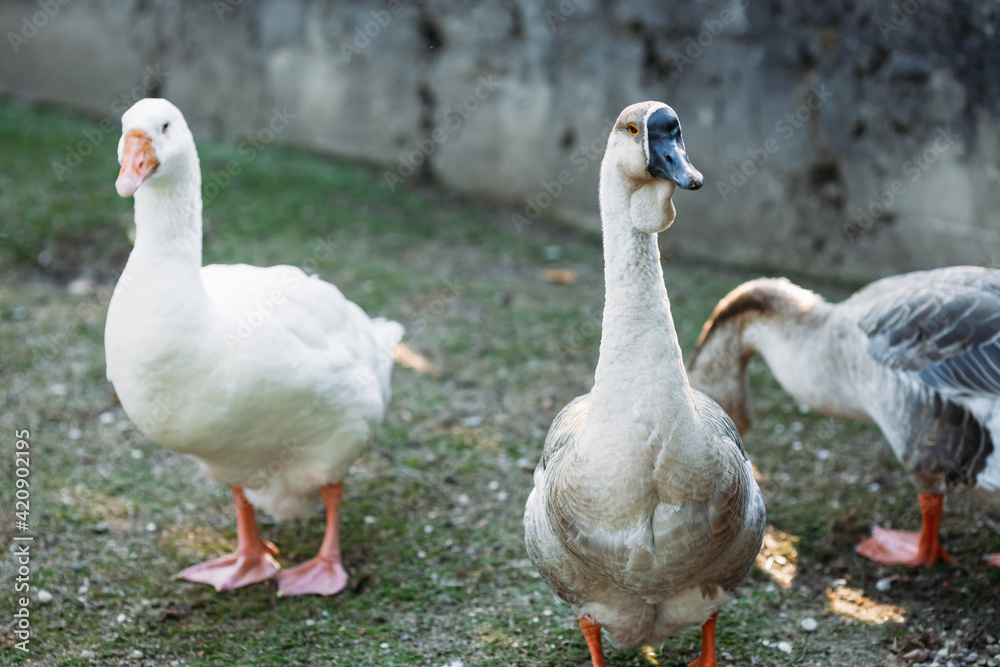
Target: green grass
point(432, 514)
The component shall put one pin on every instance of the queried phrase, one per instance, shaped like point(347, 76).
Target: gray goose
point(645, 515)
point(918, 354)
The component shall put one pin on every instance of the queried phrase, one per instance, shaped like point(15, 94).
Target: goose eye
point(164, 128)
point(632, 129)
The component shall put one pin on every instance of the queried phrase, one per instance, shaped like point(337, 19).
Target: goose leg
point(252, 562)
point(707, 657)
point(592, 633)
point(324, 574)
point(898, 547)
point(994, 560)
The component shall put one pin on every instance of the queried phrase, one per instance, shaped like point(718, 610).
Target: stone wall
point(851, 140)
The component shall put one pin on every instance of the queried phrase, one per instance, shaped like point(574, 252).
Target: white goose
point(271, 379)
point(918, 354)
point(645, 514)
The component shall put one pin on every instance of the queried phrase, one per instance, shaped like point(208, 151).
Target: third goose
point(645, 514)
point(918, 354)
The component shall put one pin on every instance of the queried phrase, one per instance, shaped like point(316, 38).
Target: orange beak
point(138, 162)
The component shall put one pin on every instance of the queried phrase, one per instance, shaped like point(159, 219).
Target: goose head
point(156, 146)
point(647, 151)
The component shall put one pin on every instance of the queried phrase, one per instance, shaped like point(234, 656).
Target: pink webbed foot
point(324, 574)
point(319, 576)
point(994, 560)
point(899, 547)
point(252, 562)
point(234, 570)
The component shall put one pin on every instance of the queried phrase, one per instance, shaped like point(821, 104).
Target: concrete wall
point(853, 140)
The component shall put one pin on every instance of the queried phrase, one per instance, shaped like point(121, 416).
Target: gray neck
point(816, 357)
point(640, 356)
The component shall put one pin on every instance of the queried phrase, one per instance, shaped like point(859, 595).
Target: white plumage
point(270, 378)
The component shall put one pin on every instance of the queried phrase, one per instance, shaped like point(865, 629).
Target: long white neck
point(641, 369)
point(165, 263)
point(168, 223)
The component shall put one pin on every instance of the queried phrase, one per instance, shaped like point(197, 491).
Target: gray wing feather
point(941, 326)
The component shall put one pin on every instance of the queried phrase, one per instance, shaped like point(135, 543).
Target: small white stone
point(87, 654)
point(502, 496)
point(797, 427)
point(473, 421)
point(428, 529)
point(58, 389)
point(809, 624)
point(421, 554)
point(122, 618)
point(44, 596)
point(797, 446)
point(136, 454)
point(384, 645)
point(493, 486)
point(310, 622)
point(882, 585)
point(106, 417)
point(462, 499)
point(785, 647)
point(874, 486)
point(779, 429)
point(370, 520)
point(136, 654)
point(75, 434)
point(823, 454)
point(150, 527)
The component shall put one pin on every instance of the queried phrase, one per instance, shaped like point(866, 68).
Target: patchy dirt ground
point(431, 526)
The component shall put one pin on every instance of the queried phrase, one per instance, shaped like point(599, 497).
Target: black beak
point(667, 156)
